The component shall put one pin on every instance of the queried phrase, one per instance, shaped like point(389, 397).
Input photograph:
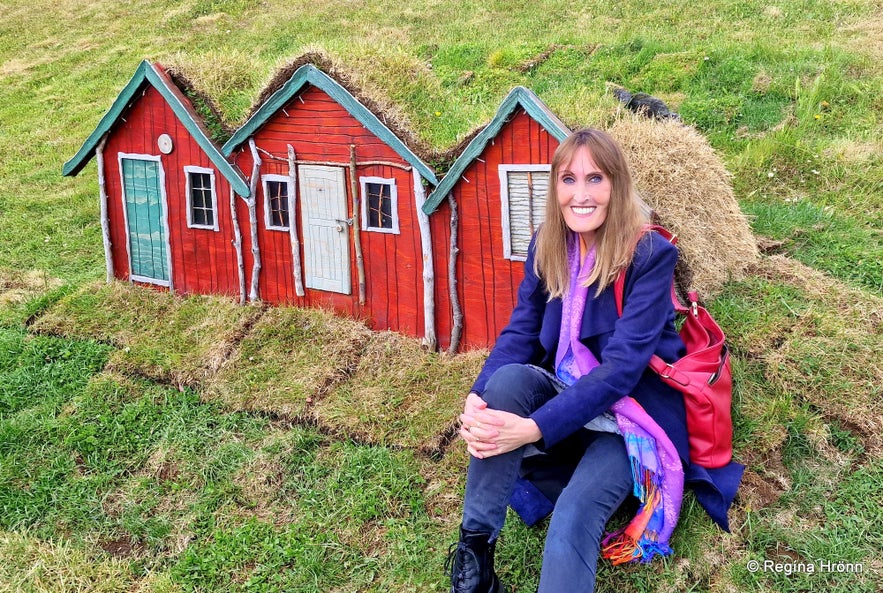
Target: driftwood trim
point(357, 225)
point(254, 293)
point(457, 312)
point(292, 224)
point(237, 245)
point(102, 203)
point(273, 157)
point(429, 337)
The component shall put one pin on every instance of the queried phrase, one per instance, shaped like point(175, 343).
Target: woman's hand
point(478, 426)
point(494, 432)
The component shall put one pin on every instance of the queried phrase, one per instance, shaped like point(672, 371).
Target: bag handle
point(659, 366)
point(619, 284)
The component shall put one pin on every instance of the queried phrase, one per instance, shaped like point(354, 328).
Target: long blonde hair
point(615, 239)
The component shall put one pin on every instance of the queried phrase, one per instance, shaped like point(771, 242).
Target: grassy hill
point(154, 443)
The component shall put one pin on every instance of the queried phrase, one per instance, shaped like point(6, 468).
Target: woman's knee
point(517, 388)
point(600, 484)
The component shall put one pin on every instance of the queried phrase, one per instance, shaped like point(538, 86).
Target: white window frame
point(504, 171)
point(394, 204)
point(188, 169)
point(287, 181)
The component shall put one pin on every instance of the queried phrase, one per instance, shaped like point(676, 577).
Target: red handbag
point(703, 375)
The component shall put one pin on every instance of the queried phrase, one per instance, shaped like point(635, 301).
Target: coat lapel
point(599, 318)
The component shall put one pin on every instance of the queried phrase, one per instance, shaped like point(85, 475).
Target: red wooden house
point(336, 220)
point(333, 212)
point(165, 190)
point(498, 186)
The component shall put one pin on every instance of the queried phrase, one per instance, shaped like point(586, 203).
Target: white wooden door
point(326, 232)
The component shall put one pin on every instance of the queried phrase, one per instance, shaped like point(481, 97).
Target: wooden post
point(237, 245)
point(357, 224)
point(292, 224)
point(254, 294)
point(429, 338)
point(102, 203)
point(457, 327)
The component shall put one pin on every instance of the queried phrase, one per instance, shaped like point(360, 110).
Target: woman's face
point(583, 194)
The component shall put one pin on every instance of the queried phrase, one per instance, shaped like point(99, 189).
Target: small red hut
point(165, 190)
point(494, 195)
point(336, 217)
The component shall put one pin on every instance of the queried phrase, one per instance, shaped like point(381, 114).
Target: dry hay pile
point(678, 173)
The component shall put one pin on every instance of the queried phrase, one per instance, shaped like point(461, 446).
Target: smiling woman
point(583, 194)
point(590, 171)
point(562, 416)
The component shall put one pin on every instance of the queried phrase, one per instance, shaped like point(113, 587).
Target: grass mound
point(806, 339)
point(158, 335)
point(289, 359)
point(402, 395)
point(23, 293)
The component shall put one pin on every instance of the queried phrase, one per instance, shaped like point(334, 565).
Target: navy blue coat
point(623, 347)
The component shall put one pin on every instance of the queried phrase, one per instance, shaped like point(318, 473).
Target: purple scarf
point(656, 467)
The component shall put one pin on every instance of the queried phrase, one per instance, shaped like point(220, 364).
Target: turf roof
point(148, 73)
point(309, 74)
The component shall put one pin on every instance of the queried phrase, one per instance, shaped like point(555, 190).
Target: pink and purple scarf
point(656, 467)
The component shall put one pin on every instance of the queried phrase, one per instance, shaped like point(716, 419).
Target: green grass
point(193, 494)
point(445, 67)
point(159, 335)
point(291, 357)
point(824, 238)
point(205, 496)
point(159, 443)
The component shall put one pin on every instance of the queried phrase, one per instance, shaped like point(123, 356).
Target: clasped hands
point(490, 432)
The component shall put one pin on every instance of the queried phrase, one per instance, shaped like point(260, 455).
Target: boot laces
point(461, 564)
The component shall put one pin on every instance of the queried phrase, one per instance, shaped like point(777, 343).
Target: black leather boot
point(471, 564)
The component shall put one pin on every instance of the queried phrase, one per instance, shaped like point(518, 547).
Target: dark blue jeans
point(601, 481)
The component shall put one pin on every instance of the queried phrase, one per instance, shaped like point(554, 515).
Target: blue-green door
point(148, 243)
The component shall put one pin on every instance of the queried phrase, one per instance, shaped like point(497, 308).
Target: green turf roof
point(309, 74)
point(518, 97)
point(147, 73)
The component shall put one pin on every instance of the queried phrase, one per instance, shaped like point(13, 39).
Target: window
point(201, 200)
point(379, 205)
point(523, 190)
point(277, 189)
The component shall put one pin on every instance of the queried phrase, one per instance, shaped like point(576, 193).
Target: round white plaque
point(165, 143)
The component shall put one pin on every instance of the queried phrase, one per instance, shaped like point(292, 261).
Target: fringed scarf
point(656, 467)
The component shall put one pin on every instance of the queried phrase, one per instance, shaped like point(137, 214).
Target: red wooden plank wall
point(488, 282)
point(319, 129)
point(203, 261)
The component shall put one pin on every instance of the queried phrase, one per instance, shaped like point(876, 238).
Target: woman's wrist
point(532, 431)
